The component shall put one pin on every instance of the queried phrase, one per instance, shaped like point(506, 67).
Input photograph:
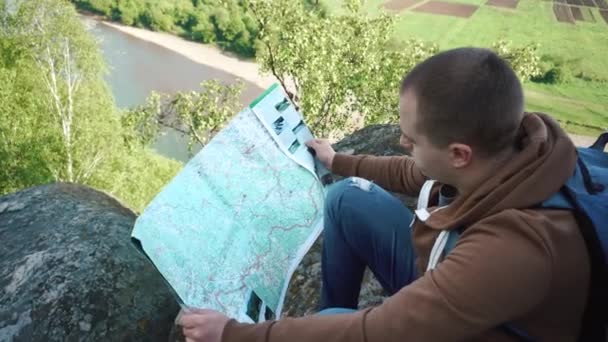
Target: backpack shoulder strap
point(601, 142)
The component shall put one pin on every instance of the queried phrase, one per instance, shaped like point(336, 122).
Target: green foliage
point(27, 142)
point(205, 113)
point(200, 27)
point(524, 60)
point(57, 117)
point(127, 12)
point(103, 7)
point(141, 123)
point(199, 115)
point(136, 176)
point(157, 17)
point(584, 47)
point(227, 22)
point(553, 71)
point(554, 75)
point(590, 76)
point(59, 66)
point(340, 69)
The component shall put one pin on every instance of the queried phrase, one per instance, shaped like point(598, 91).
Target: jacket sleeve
point(396, 173)
point(344, 327)
point(495, 274)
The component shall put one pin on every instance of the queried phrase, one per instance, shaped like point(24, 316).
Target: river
point(137, 67)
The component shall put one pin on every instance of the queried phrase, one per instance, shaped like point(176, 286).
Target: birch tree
point(58, 120)
point(66, 61)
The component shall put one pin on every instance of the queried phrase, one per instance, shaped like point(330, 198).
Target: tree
point(69, 65)
point(339, 68)
point(103, 7)
point(135, 177)
point(58, 121)
point(202, 29)
point(128, 11)
point(524, 60)
point(225, 22)
point(199, 115)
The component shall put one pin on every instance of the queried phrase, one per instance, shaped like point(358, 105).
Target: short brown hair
point(467, 95)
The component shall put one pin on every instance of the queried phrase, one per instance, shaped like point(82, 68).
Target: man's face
point(432, 161)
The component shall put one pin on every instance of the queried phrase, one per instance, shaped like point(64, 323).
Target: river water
point(137, 67)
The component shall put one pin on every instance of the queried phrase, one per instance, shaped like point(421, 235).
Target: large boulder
point(378, 140)
point(304, 288)
point(68, 271)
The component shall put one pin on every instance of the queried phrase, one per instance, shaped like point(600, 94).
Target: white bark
point(61, 76)
point(86, 171)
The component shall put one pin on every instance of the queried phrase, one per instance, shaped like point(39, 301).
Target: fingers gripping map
point(229, 230)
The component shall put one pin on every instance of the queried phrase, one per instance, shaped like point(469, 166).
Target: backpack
point(585, 193)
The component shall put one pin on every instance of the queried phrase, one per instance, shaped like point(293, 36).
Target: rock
point(304, 289)
point(11, 206)
point(379, 140)
point(70, 273)
point(85, 326)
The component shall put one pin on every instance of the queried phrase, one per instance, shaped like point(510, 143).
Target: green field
point(582, 49)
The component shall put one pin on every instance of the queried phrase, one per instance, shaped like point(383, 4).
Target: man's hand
point(200, 325)
point(325, 153)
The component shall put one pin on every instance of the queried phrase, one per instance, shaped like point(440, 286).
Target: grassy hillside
point(579, 50)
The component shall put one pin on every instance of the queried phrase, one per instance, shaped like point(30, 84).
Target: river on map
point(136, 67)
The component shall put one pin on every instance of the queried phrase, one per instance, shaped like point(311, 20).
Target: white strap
point(423, 214)
point(438, 248)
point(425, 194)
point(423, 200)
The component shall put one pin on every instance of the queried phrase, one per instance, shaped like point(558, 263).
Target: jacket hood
point(545, 160)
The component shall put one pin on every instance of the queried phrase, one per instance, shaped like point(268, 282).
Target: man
point(513, 272)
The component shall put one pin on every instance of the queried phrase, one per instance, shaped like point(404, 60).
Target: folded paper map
point(229, 230)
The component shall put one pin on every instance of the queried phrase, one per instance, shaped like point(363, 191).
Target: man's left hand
point(200, 325)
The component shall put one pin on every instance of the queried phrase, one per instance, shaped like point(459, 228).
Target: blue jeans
point(364, 226)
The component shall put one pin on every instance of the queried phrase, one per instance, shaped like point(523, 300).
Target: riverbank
point(211, 56)
point(199, 53)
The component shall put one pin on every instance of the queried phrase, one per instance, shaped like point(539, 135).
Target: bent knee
point(342, 191)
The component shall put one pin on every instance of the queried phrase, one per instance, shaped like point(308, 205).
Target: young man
point(513, 272)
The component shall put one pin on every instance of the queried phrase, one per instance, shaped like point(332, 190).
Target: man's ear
point(461, 155)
